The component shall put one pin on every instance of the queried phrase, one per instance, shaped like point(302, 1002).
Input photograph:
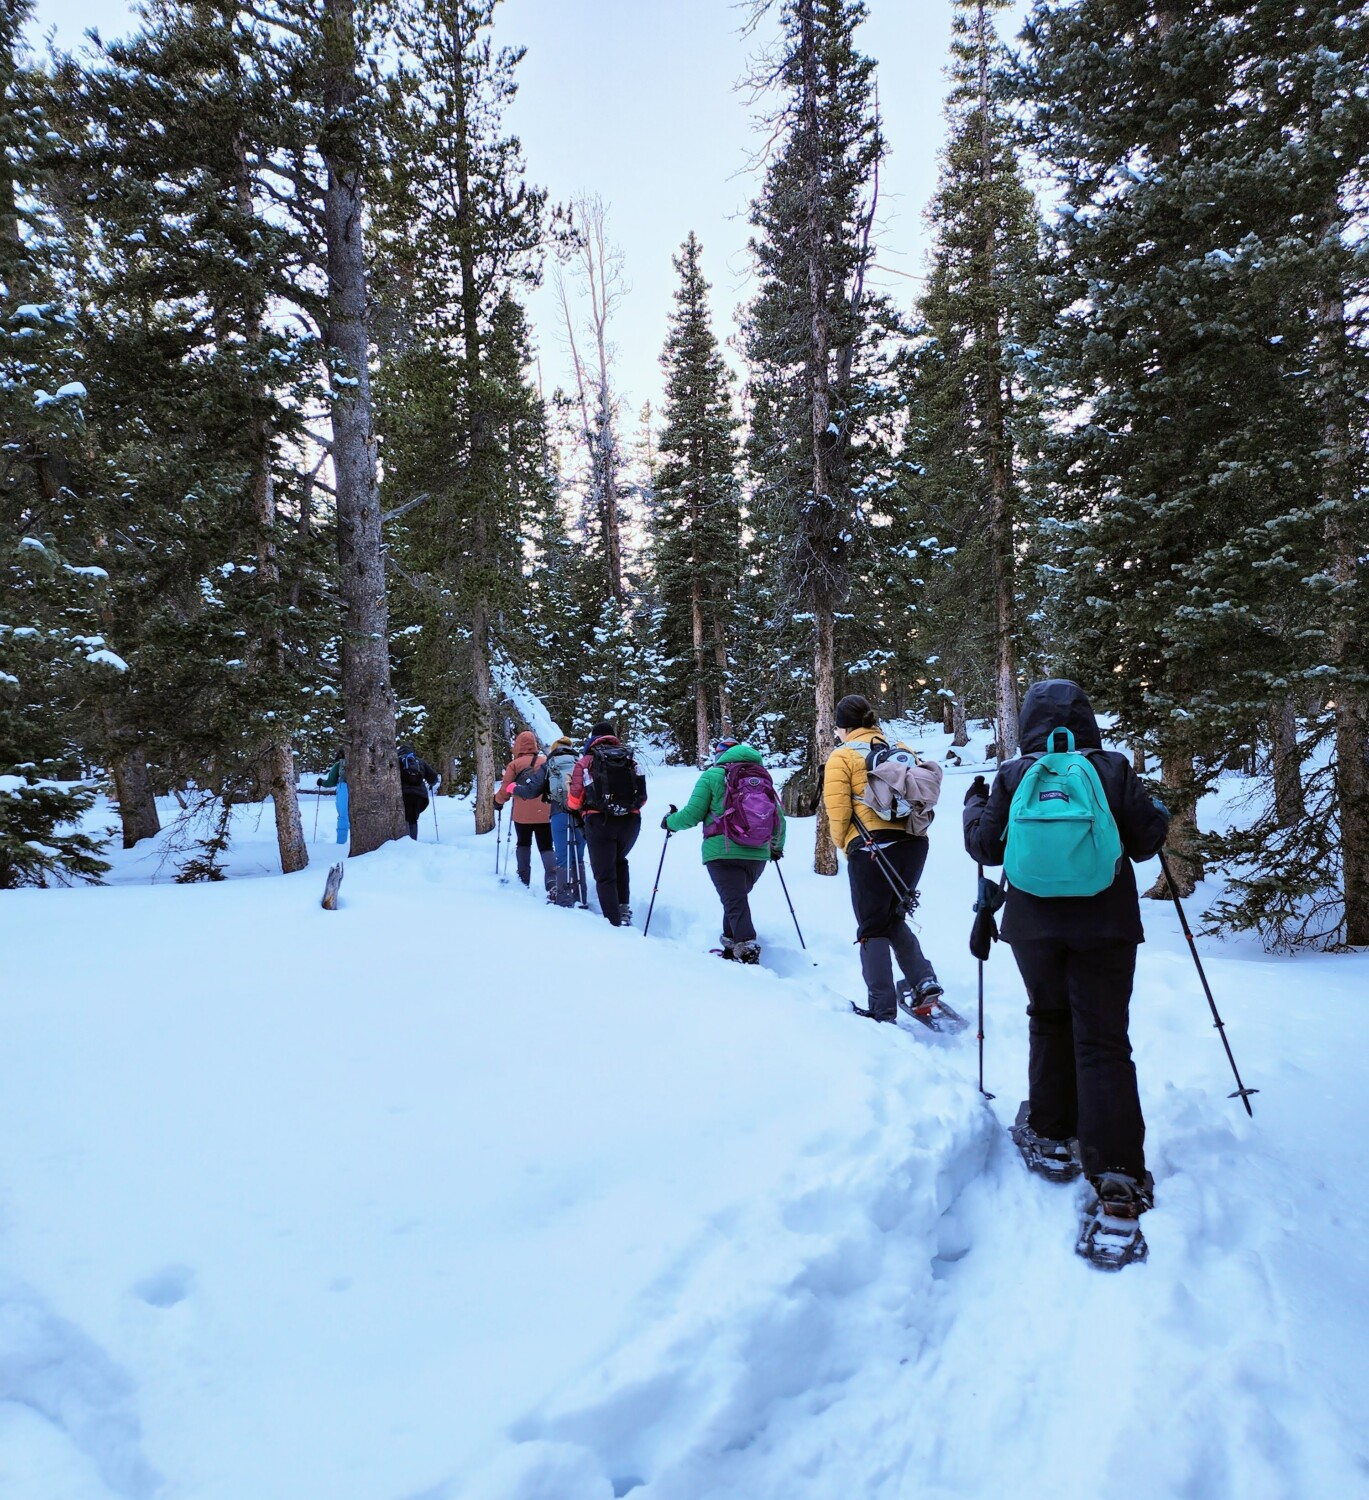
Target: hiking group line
point(1066, 821)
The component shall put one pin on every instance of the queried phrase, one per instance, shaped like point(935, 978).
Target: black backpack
point(611, 781)
point(411, 771)
point(531, 782)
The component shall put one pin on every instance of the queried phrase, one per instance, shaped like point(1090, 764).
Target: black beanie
point(853, 712)
point(600, 730)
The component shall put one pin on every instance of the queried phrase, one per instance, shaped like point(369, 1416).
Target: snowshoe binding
point(1110, 1226)
point(1057, 1161)
point(926, 1004)
point(869, 1015)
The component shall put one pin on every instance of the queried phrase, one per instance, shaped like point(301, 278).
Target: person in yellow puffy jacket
point(882, 855)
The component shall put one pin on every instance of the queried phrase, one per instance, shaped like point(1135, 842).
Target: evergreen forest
point(281, 475)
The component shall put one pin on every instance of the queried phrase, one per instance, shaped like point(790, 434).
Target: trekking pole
point(318, 797)
point(1241, 1092)
point(437, 832)
point(581, 884)
point(896, 881)
point(792, 912)
point(657, 886)
point(982, 1089)
point(508, 844)
point(498, 834)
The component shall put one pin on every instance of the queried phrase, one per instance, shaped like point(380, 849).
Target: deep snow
point(449, 1194)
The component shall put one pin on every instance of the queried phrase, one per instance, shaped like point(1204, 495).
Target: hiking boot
point(1122, 1197)
point(928, 991)
point(624, 915)
point(747, 952)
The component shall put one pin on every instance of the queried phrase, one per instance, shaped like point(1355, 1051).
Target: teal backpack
point(1062, 836)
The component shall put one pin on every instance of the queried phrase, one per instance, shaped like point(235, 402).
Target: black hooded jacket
point(1114, 915)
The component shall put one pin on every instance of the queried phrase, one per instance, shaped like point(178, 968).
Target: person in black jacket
point(1077, 954)
point(415, 777)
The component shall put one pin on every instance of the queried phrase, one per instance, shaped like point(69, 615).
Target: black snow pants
point(609, 840)
point(1082, 1078)
point(415, 805)
point(523, 853)
point(734, 879)
point(882, 930)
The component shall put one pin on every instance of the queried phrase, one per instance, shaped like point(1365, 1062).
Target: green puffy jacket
point(706, 803)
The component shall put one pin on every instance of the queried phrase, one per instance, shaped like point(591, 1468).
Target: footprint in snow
point(165, 1288)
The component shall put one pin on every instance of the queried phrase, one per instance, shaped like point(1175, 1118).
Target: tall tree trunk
point(1181, 797)
point(999, 439)
point(1285, 763)
point(696, 620)
point(277, 761)
point(1346, 538)
point(483, 461)
point(483, 691)
point(132, 782)
point(960, 734)
point(817, 376)
point(720, 662)
point(376, 806)
point(279, 765)
point(948, 716)
point(608, 484)
point(824, 734)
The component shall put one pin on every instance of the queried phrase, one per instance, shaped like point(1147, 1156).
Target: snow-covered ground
point(449, 1194)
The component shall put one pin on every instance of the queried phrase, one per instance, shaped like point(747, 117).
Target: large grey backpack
point(900, 787)
point(559, 768)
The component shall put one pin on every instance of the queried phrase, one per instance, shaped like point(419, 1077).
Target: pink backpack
point(750, 812)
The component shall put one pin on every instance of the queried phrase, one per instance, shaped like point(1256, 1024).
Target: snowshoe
point(928, 1007)
point(330, 888)
point(869, 1015)
point(723, 953)
point(1110, 1223)
point(1057, 1161)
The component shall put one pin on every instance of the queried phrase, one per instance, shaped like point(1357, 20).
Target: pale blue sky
point(637, 100)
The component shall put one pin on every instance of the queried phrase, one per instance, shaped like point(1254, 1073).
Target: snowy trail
point(1203, 1373)
point(450, 1194)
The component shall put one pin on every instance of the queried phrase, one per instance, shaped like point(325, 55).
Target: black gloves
point(664, 824)
point(978, 792)
point(984, 932)
point(777, 854)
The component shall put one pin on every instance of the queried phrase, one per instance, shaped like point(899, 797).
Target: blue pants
point(565, 836)
point(344, 825)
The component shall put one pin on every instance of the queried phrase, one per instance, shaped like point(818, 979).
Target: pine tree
point(967, 413)
point(377, 808)
point(808, 325)
point(697, 522)
point(462, 232)
point(190, 498)
point(1204, 259)
point(48, 649)
point(1172, 399)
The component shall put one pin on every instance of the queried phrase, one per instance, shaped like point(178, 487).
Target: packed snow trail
point(449, 1194)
